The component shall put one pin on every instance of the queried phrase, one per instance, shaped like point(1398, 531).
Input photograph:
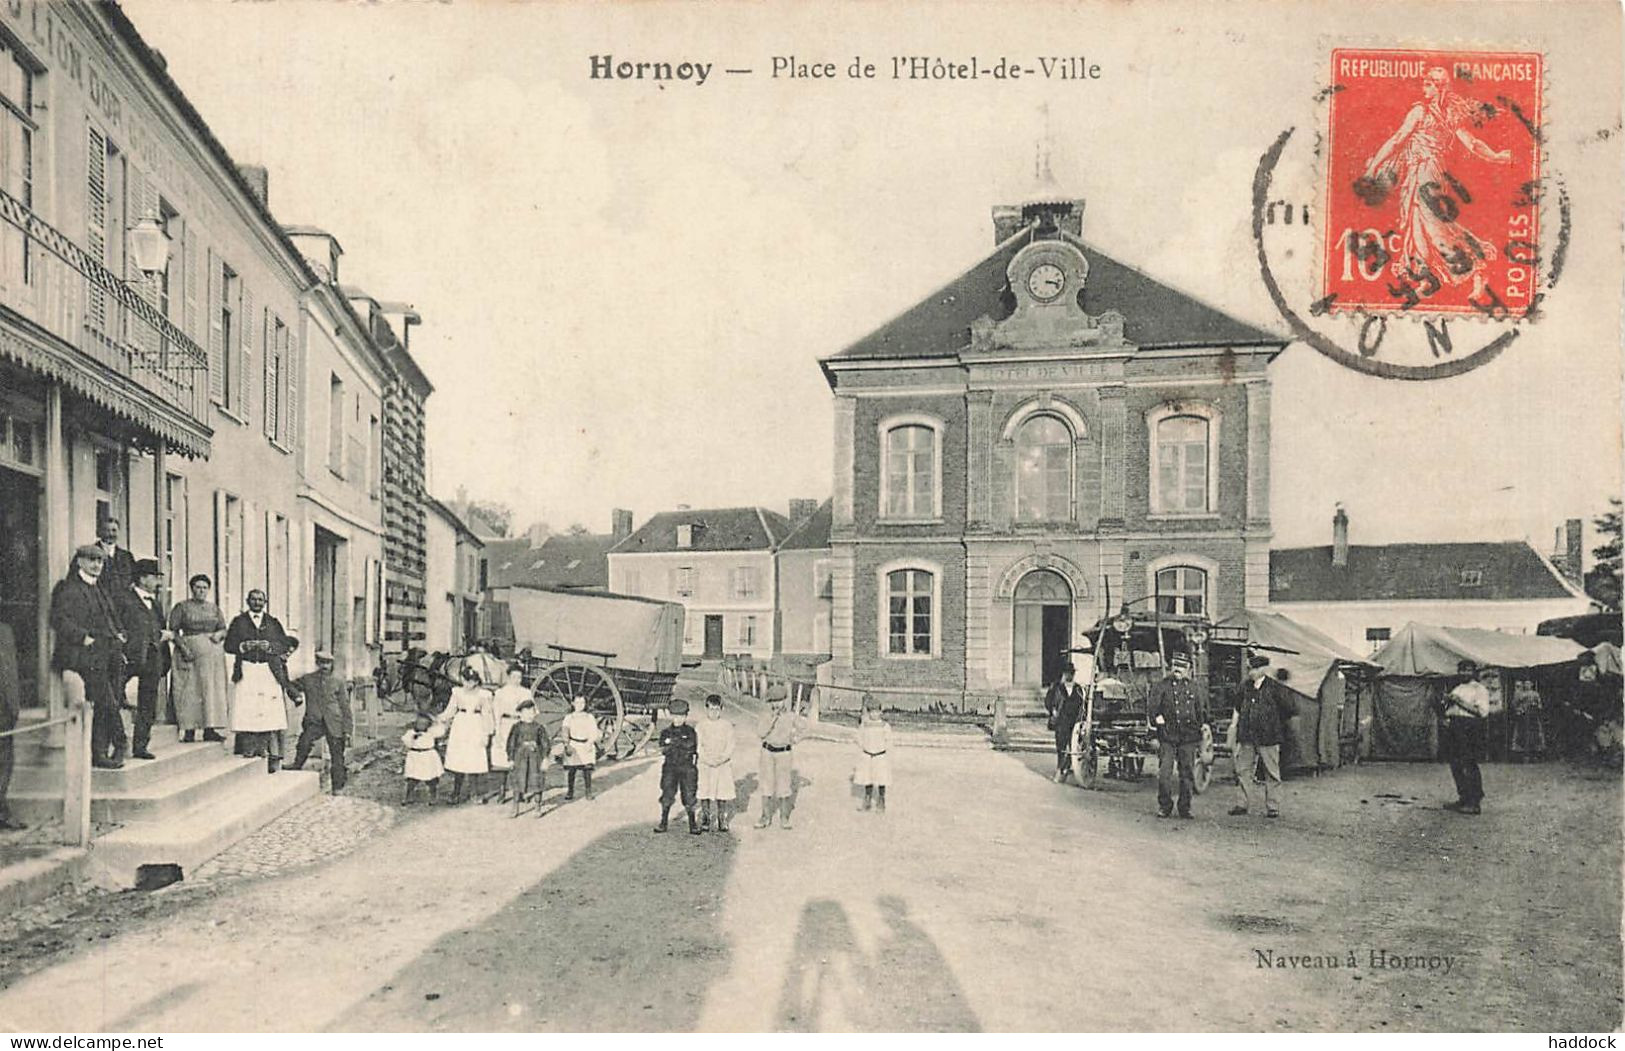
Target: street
point(987, 898)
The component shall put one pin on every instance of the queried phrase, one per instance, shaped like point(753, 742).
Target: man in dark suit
point(118, 570)
point(327, 714)
point(11, 704)
point(1064, 702)
point(89, 651)
point(1178, 713)
point(146, 651)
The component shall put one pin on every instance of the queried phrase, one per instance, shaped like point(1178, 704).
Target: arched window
point(1182, 590)
point(910, 616)
point(911, 462)
point(1043, 470)
point(1183, 461)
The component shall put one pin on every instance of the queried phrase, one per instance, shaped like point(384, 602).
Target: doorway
point(1041, 628)
point(20, 581)
point(327, 574)
point(713, 636)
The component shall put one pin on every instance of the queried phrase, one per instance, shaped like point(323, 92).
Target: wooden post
point(76, 768)
point(1001, 722)
point(54, 552)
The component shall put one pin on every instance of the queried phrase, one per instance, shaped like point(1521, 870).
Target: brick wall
point(405, 521)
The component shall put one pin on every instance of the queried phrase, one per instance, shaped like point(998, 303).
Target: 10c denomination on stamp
point(1433, 183)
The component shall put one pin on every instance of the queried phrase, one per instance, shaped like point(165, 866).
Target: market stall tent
point(1314, 664)
point(1416, 666)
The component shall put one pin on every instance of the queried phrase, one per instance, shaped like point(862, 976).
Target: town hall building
point(1052, 435)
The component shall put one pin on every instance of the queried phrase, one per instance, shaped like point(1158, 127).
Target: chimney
point(259, 182)
point(801, 510)
point(620, 524)
point(537, 534)
point(684, 507)
point(1340, 537)
point(1573, 553)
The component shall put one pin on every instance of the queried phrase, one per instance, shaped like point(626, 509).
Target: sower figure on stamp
point(780, 730)
point(716, 736)
point(146, 648)
point(680, 745)
point(1465, 709)
point(1178, 714)
point(1260, 714)
point(327, 714)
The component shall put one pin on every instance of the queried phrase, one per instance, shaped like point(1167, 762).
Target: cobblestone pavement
point(319, 829)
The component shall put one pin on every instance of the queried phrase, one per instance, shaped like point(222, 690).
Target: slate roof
point(561, 562)
point(813, 533)
point(1154, 314)
point(1398, 572)
point(716, 529)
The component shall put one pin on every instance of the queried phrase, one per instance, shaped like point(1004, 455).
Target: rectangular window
point(823, 579)
point(1472, 578)
point(278, 567)
point(169, 282)
point(231, 557)
point(1182, 591)
point(335, 426)
point(744, 582)
point(274, 343)
point(685, 582)
point(1182, 464)
point(910, 472)
point(175, 520)
point(632, 582)
point(109, 486)
point(908, 612)
point(1377, 638)
point(375, 456)
point(17, 130)
point(685, 536)
point(747, 631)
point(230, 333)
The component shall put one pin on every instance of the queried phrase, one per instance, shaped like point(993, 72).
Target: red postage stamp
point(1433, 182)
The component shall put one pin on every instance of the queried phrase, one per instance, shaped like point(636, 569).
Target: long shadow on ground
point(625, 936)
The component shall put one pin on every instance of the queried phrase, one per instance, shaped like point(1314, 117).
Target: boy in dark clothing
point(528, 745)
point(680, 745)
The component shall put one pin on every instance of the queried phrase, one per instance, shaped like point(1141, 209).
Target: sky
point(626, 285)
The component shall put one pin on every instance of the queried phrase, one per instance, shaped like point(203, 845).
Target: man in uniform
point(779, 731)
point(1261, 712)
point(679, 743)
point(327, 714)
point(1465, 709)
point(1178, 714)
point(89, 651)
point(1064, 701)
point(146, 650)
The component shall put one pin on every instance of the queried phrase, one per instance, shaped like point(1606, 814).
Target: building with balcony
point(1052, 434)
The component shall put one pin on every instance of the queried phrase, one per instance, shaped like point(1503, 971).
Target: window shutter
point(220, 595)
point(96, 220)
point(245, 359)
point(143, 197)
point(270, 381)
point(290, 384)
point(215, 296)
point(190, 291)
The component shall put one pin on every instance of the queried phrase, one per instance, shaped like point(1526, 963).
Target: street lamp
point(150, 244)
point(1122, 623)
point(1197, 635)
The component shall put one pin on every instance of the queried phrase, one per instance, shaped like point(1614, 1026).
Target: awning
point(119, 395)
point(1307, 655)
point(1423, 649)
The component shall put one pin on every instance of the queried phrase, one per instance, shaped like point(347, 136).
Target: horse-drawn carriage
point(1114, 736)
point(619, 653)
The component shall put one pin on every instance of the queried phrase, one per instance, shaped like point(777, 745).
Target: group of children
point(487, 732)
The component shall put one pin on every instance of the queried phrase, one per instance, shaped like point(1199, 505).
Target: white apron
point(580, 733)
point(468, 715)
point(256, 701)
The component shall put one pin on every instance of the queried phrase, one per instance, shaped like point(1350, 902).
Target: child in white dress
point(422, 759)
point(874, 764)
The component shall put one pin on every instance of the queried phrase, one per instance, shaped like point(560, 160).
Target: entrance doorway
point(713, 636)
point(327, 575)
point(1042, 628)
point(20, 581)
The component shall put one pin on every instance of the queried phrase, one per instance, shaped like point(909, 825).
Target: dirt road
point(986, 899)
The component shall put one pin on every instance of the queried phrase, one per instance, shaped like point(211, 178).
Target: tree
point(1603, 582)
point(576, 529)
point(496, 515)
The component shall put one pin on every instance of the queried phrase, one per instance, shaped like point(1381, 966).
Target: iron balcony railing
point(49, 279)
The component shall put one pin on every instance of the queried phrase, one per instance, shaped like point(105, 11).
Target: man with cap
point(1261, 711)
point(679, 744)
point(780, 729)
point(1462, 742)
point(1178, 713)
point(327, 714)
point(146, 649)
point(89, 650)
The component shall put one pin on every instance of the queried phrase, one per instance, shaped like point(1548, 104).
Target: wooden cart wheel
point(555, 686)
point(1202, 775)
point(634, 734)
point(1084, 755)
